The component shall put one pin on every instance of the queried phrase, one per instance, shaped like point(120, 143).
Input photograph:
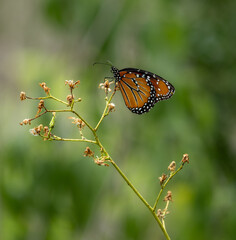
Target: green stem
point(164, 185)
point(72, 139)
point(48, 97)
point(105, 110)
point(141, 198)
point(105, 153)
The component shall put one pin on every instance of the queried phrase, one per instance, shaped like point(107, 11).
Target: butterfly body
point(141, 89)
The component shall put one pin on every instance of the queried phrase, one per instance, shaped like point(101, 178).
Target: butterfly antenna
point(106, 63)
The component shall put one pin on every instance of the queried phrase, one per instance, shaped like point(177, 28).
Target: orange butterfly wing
point(141, 89)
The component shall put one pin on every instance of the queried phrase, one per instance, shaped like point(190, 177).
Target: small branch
point(87, 124)
point(141, 198)
point(37, 116)
point(56, 138)
point(164, 214)
point(105, 110)
point(47, 97)
point(172, 174)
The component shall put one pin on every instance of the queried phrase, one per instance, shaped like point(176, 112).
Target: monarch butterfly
point(141, 89)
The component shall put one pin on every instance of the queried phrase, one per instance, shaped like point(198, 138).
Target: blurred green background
point(48, 189)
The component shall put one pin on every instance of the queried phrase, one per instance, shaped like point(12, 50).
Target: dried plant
point(47, 134)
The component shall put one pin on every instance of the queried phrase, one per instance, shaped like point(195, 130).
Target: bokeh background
point(48, 189)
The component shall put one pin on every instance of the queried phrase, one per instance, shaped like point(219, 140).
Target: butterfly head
point(115, 72)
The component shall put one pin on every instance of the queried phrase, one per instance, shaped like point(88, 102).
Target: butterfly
point(141, 89)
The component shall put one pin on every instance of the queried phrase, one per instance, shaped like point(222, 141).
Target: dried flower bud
point(159, 213)
point(33, 132)
point(168, 197)
point(111, 107)
point(71, 83)
point(172, 166)
point(88, 152)
point(38, 129)
point(25, 122)
point(22, 96)
point(45, 88)
point(101, 162)
point(40, 106)
point(185, 158)
point(163, 178)
point(69, 99)
point(105, 86)
point(78, 122)
point(46, 130)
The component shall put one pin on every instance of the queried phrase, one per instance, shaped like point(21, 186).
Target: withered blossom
point(25, 122)
point(46, 131)
point(40, 106)
point(159, 213)
point(33, 132)
point(172, 166)
point(168, 197)
point(101, 162)
point(69, 99)
point(72, 84)
point(45, 88)
point(105, 86)
point(88, 152)
point(111, 107)
point(78, 122)
point(163, 178)
point(185, 158)
point(22, 96)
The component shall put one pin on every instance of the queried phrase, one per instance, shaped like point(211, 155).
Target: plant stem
point(48, 97)
point(164, 185)
point(105, 110)
point(72, 139)
point(141, 198)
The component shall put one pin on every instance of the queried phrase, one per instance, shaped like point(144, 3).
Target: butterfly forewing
point(135, 95)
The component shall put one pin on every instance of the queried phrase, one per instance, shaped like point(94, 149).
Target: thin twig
point(105, 110)
point(164, 185)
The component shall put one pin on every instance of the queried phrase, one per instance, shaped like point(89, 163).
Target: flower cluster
point(100, 161)
point(72, 84)
point(106, 86)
